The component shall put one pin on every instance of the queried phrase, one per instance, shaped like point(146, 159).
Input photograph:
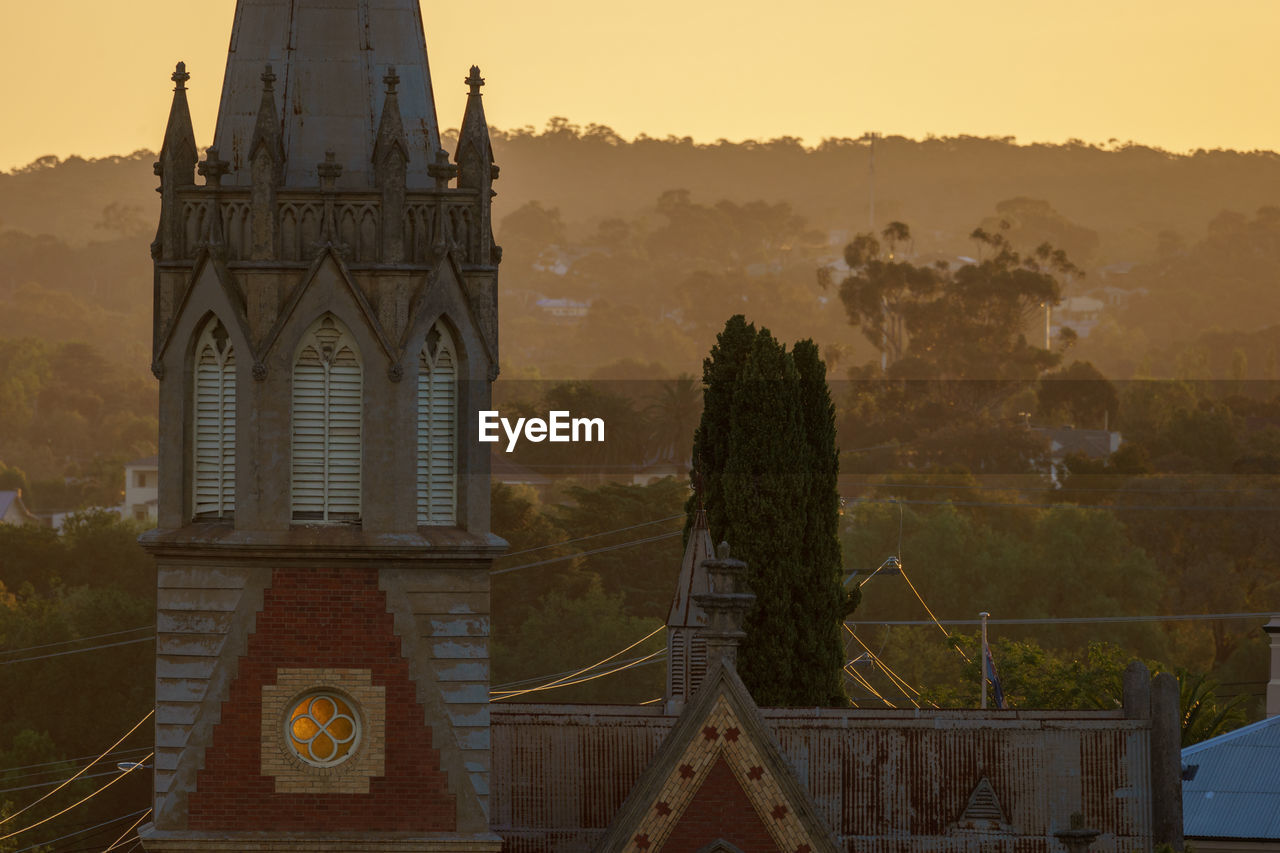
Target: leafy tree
point(1203, 715)
point(1033, 677)
point(966, 323)
point(646, 586)
point(766, 454)
point(1079, 391)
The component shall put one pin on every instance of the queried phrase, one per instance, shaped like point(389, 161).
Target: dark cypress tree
point(720, 372)
point(767, 460)
point(763, 499)
point(823, 592)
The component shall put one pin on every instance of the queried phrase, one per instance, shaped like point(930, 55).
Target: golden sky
point(90, 77)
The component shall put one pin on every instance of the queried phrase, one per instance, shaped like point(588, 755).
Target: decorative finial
point(212, 168)
point(268, 80)
point(180, 75)
point(330, 170)
point(392, 79)
point(475, 81)
point(722, 551)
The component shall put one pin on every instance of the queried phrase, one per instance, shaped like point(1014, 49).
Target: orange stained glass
point(323, 729)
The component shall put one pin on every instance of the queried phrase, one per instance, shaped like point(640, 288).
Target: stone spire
point(390, 167)
point(476, 169)
point(266, 158)
point(475, 153)
point(329, 56)
point(176, 166)
point(686, 651)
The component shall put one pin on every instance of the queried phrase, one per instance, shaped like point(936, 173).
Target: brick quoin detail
point(720, 809)
point(318, 618)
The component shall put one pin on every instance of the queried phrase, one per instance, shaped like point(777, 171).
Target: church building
point(326, 329)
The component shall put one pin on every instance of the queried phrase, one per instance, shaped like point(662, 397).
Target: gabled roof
point(1235, 789)
point(693, 580)
point(719, 777)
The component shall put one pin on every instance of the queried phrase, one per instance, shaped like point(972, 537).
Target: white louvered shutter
point(437, 432)
point(214, 449)
point(327, 392)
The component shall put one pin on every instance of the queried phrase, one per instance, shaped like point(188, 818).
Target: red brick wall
point(720, 809)
point(314, 618)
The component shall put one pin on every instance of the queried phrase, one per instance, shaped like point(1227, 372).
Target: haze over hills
point(582, 218)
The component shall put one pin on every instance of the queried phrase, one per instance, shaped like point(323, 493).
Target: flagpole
point(984, 614)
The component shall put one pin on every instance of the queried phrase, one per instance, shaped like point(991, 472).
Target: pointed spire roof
point(179, 138)
point(266, 130)
point(474, 152)
point(391, 125)
point(329, 57)
point(685, 612)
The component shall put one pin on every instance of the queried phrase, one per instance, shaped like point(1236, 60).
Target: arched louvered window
point(438, 429)
point(327, 391)
point(213, 473)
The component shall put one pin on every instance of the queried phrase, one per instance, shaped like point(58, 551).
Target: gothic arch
point(212, 443)
point(437, 427)
point(326, 424)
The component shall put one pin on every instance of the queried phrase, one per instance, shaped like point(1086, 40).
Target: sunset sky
point(91, 78)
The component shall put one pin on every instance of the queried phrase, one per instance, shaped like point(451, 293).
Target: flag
point(989, 663)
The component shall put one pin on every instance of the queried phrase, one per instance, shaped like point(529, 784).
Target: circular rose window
point(323, 729)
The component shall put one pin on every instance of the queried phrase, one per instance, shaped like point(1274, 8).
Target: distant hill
point(1195, 238)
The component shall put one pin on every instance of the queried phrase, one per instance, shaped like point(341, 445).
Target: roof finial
point(180, 75)
point(268, 80)
point(391, 79)
point(475, 81)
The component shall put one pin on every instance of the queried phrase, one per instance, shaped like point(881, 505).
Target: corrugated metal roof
point(1235, 792)
point(330, 57)
point(883, 782)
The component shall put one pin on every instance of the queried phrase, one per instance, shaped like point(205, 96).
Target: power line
point(106, 752)
point(64, 761)
point(79, 651)
point(1069, 620)
point(1002, 505)
point(648, 539)
point(83, 799)
point(653, 657)
point(77, 640)
point(980, 488)
point(501, 688)
point(584, 669)
point(86, 829)
point(592, 536)
point(123, 835)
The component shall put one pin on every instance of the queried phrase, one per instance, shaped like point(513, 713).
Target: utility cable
point(601, 550)
point(83, 799)
point(79, 651)
point(83, 831)
point(1074, 620)
point(1006, 505)
point(944, 631)
point(105, 753)
point(866, 684)
point(901, 684)
point(649, 658)
point(123, 835)
point(77, 640)
point(59, 765)
point(593, 666)
point(592, 536)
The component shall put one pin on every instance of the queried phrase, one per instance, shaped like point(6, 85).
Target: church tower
point(325, 331)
